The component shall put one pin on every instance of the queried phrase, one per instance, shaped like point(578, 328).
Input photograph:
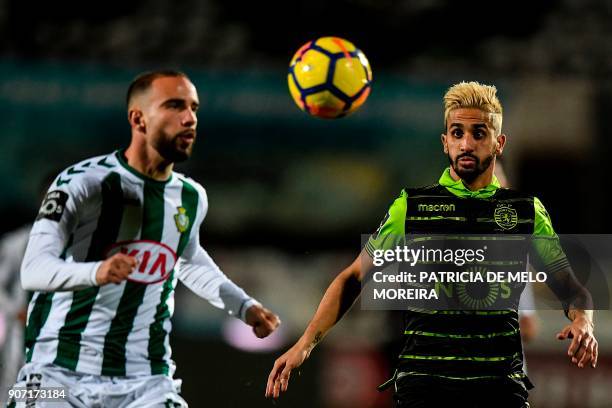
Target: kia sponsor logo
point(155, 260)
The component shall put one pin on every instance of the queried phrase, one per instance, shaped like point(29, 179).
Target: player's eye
point(174, 104)
point(457, 132)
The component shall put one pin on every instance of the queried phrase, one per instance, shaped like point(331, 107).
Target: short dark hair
point(144, 80)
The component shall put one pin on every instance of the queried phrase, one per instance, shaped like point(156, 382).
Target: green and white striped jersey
point(94, 209)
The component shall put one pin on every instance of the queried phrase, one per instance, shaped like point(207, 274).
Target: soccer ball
point(329, 77)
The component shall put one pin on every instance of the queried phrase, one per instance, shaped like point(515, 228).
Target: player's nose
point(189, 118)
point(467, 143)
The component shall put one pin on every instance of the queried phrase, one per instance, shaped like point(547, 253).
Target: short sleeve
point(546, 245)
point(392, 228)
point(542, 224)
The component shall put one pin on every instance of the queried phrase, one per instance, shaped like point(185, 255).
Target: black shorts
point(426, 392)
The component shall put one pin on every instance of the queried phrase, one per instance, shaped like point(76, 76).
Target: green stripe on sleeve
point(69, 338)
point(391, 231)
point(542, 224)
point(545, 243)
point(113, 363)
point(157, 334)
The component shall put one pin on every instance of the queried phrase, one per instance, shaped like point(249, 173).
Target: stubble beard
point(169, 148)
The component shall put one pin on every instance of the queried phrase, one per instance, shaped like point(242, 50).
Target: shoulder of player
point(197, 186)
point(435, 188)
point(538, 207)
point(510, 193)
point(86, 173)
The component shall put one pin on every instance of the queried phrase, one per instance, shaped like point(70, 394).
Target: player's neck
point(148, 162)
point(483, 179)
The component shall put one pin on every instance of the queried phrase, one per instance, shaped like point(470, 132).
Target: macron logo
point(436, 207)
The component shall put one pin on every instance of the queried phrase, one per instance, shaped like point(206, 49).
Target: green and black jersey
point(456, 344)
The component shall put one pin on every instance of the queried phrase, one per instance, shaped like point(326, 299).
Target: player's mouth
point(467, 161)
point(187, 136)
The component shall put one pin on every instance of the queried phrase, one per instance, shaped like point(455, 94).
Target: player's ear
point(501, 142)
point(444, 145)
point(136, 119)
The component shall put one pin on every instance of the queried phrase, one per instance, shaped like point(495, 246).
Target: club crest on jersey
point(181, 219)
point(505, 216)
point(155, 260)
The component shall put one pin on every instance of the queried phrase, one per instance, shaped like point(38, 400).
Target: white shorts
point(96, 391)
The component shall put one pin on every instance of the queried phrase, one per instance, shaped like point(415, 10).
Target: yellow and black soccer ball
point(329, 77)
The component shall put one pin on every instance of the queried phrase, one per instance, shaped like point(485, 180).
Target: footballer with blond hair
point(470, 357)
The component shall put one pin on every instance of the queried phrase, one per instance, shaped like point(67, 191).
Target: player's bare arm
point(337, 300)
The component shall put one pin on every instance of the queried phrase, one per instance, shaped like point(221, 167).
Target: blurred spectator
point(13, 304)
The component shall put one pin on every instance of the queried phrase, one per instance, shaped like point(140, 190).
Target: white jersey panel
point(45, 347)
point(138, 340)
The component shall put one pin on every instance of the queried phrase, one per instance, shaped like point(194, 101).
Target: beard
point(174, 148)
point(470, 174)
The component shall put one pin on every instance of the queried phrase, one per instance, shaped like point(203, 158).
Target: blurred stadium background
point(290, 195)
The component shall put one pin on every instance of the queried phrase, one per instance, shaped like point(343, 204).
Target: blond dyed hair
point(474, 95)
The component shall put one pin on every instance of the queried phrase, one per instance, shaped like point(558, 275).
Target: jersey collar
point(460, 190)
point(120, 154)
